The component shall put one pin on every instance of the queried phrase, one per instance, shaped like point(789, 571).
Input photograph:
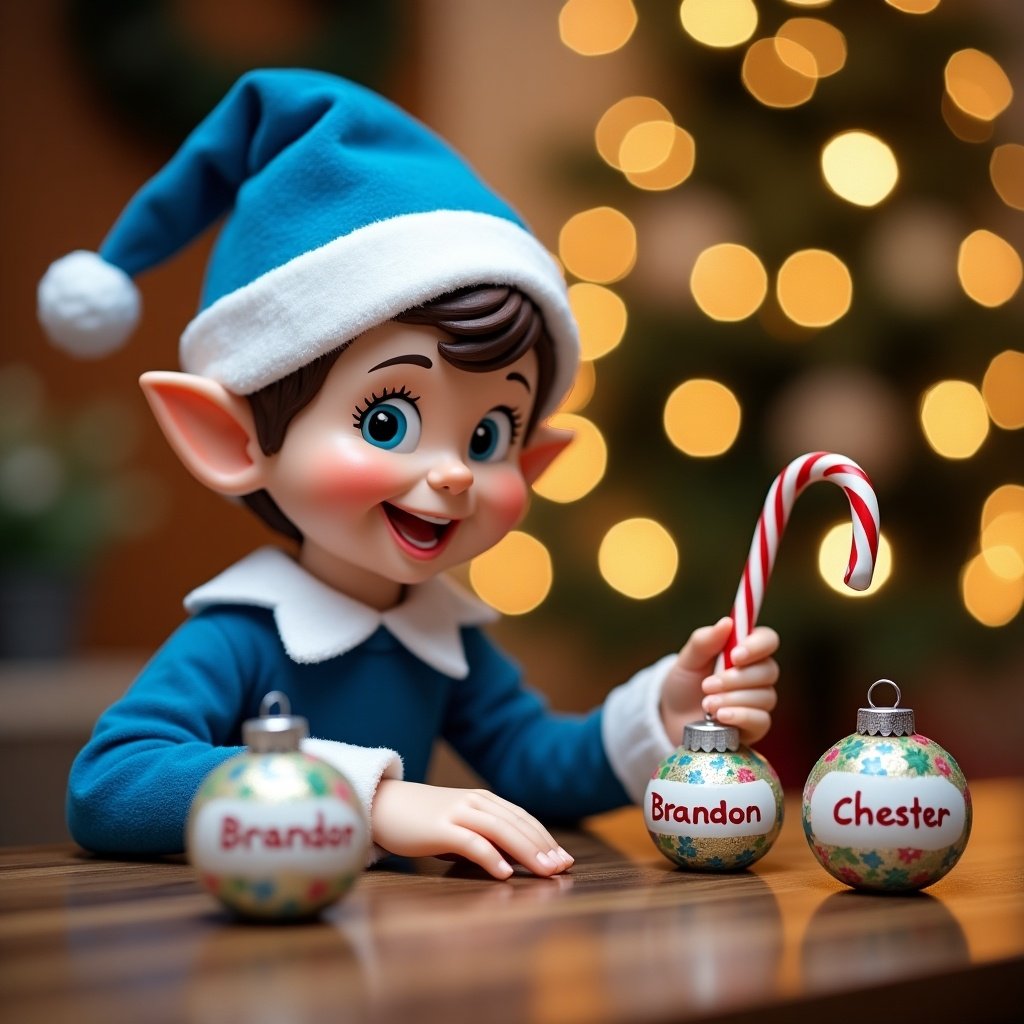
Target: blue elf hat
point(341, 211)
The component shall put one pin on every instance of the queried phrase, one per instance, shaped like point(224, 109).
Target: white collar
point(317, 622)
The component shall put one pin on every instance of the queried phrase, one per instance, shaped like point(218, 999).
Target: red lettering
point(884, 816)
point(229, 832)
point(718, 814)
point(698, 813)
point(858, 810)
point(944, 812)
point(233, 835)
point(656, 805)
point(753, 813)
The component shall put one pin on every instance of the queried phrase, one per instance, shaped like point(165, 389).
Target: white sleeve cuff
point(364, 767)
point(634, 737)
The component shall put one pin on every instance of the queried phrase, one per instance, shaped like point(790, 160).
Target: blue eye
point(393, 424)
point(492, 437)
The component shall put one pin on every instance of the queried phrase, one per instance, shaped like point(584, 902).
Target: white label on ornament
point(848, 809)
point(248, 838)
point(712, 812)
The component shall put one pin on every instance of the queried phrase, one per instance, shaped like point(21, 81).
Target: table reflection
point(861, 938)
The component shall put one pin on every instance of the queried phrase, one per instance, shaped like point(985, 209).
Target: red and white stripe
point(787, 487)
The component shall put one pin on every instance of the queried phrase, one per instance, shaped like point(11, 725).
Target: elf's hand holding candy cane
point(728, 670)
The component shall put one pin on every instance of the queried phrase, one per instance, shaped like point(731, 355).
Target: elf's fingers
point(764, 698)
point(704, 644)
point(762, 642)
point(753, 723)
point(763, 673)
point(542, 858)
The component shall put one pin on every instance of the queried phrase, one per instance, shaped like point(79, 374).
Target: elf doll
point(379, 341)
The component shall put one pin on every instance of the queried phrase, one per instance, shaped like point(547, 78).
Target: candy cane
point(787, 487)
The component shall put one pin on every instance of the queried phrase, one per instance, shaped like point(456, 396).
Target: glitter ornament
point(273, 832)
point(886, 808)
point(713, 805)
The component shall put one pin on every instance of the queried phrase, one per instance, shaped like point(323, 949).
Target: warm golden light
point(963, 126)
point(601, 316)
point(1002, 545)
point(1004, 499)
point(620, 118)
point(638, 558)
point(595, 27)
point(954, 419)
point(814, 288)
point(702, 418)
point(646, 146)
point(977, 84)
point(822, 42)
point(580, 468)
point(514, 576)
point(991, 599)
point(1006, 168)
point(1003, 390)
point(770, 80)
point(719, 23)
point(914, 6)
point(859, 167)
point(582, 389)
point(651, 139)
point(834, 553)
point(989, 268)
point(598, 245)
point(728, 282)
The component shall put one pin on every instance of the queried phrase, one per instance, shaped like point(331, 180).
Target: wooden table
point(624, 937)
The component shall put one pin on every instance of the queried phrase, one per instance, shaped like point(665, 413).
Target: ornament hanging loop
point(284, 705)
point(887, 682)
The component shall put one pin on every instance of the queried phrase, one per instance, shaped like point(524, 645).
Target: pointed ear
point(546, 444)
point(209, 427)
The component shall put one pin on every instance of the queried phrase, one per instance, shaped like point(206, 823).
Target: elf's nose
point(450, 474)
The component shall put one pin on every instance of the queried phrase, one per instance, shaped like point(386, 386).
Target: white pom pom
point(87, 306)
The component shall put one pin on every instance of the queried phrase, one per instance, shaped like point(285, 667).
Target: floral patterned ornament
point(887, 809)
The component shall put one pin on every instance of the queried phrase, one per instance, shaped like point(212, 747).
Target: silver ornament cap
point(885, 721)
point(710, 735)
point(275, 734)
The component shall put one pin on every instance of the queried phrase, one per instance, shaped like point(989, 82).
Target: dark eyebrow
point(414, 360)
point(519, 377)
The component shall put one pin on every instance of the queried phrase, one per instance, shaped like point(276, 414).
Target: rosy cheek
point(508, 497)
point(351, 475)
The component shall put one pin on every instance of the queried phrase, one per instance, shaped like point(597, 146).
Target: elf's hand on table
point(415, 820)
point(742, 696)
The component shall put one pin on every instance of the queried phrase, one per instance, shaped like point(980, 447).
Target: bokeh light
point(834, 555)
point(595, 27)
point(989, 268)
point(598, 245)
point(580, 468)
point(963, 126)
point(657, 155)
point(1003, 389)
point(1002, 545)
point(728, 282)
point(1006, 498)
point(582, 389)
point(514, 576)
point(977, 84)
point(814, 288)
point(1006, 169)
point(817, 39)
point(954, 419)
point(719, 23)
point(702, 418)
point(859, 167)
point(601, 316)
point(620, 118)
point(912, 255)
point(771, 80)
point(638, 558)
point(914, 6)
point(990, 598)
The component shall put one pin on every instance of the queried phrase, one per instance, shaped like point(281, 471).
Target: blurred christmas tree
point(806, 239)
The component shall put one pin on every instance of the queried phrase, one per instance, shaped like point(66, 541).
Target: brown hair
point(488, 327)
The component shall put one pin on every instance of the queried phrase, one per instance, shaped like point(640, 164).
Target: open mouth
point(420, 535)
